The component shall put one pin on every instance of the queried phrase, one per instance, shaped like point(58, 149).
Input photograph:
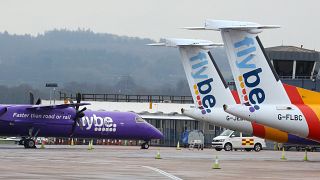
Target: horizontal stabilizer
point(218, 25)
point(157, 44)
point(175, 42)
point(60, 106)
point(195, 28)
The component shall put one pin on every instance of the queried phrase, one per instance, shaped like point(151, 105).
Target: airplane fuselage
point(299, 119)
point(18, 120)
point(219, 117)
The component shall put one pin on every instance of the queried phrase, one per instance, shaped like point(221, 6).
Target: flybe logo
point(249, 80)
point(103, 124)
point(202, 88)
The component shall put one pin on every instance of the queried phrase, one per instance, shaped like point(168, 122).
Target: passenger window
point(235, 134)
point(246, 135)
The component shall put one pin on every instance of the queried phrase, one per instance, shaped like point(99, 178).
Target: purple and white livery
point(65, 120)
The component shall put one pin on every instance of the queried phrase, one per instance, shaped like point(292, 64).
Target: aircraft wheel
point(29, 143)
point(257, 147)
point(145, 145)
point(218, 149)
point(248, 149)
point(228, 147)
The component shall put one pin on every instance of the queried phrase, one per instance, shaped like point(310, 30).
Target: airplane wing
point(59, 106)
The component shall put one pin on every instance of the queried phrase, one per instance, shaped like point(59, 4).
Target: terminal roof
point(292, 53)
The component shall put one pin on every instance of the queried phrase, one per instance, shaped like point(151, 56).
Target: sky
point(299, 20)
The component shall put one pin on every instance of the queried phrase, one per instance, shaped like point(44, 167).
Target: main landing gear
point(145, 145)
point(27, 143)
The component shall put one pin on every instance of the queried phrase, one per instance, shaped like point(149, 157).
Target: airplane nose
point(154, 133)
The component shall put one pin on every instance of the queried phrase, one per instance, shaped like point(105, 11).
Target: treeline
point(88, 62)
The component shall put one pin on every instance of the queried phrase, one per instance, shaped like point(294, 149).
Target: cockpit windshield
point(139, 119)
point(226, 132)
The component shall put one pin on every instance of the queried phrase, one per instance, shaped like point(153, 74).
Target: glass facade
point(304, 68)
point(284, 68)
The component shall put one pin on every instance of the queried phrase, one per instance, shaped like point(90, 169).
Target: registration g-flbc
point(291, 117)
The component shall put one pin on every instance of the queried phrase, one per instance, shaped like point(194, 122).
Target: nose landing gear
point(145, 145)
point(27, 143)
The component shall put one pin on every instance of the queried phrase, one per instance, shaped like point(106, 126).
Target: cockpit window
point(139, 119)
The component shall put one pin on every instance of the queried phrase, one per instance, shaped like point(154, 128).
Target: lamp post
point(53, 86)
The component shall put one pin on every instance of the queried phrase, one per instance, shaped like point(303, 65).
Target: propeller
point(79, 113)
point(32, 99)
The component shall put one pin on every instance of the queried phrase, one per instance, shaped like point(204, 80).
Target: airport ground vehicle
point(229, 140)
point(193, 139)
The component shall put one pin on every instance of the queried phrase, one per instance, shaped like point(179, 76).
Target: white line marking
point(163, 173)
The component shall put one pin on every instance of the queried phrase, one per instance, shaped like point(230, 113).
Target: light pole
point(53, 86)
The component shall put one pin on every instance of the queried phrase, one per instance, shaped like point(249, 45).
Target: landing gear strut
point(21, 142)
point(145, 145)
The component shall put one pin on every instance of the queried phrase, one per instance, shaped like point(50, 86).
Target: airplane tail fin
point(206, 83)
point(256, 80)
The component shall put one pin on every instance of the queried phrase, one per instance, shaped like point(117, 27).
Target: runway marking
point(163, 173)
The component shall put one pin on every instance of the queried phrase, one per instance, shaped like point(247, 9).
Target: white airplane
point(264, 98)
point(210, 92)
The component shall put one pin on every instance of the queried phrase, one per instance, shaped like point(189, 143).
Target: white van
point(229, 140)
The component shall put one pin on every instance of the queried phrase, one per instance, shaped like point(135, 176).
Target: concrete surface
point(130, 162)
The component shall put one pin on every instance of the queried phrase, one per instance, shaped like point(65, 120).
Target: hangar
point(295, 66)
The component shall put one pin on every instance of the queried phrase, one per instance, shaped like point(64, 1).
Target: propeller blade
point(31, 98)
point(78, 98)
point(73, 127)
point(82, 110)
point(80, 125)
point(38, 101)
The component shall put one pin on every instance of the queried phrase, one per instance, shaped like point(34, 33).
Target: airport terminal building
point(295, 66)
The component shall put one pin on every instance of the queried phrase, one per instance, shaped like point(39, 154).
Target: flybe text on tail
point(250, 79)
point(202, 87)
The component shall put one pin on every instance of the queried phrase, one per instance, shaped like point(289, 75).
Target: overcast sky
point(153, 19)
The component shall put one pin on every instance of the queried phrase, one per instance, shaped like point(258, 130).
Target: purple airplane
point(66, 120)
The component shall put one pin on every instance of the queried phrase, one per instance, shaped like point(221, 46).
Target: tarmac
point(131, 162)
